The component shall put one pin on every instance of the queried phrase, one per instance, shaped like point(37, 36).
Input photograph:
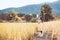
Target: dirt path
point(53, 27)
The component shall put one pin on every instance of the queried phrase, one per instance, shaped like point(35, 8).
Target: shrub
point(28, 17)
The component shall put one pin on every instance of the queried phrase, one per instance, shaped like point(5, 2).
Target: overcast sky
point(19, 3)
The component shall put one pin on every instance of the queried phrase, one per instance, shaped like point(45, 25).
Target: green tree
point(46, 13)
point(28, 17)
point(13, 15)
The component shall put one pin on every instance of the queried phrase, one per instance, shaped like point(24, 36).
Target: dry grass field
point(52, 26)
point(22, 31)
point(16, 31)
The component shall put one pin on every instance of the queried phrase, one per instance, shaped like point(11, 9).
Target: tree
point(28, 17)
point(46, 11)
point(13, 15)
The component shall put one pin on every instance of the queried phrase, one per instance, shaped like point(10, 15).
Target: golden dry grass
point(53, 26)
point(21, 31)
point(17, 31)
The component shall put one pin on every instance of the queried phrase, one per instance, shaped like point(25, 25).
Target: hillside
point(34, 9)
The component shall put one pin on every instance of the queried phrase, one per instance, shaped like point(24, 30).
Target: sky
point(19, 3)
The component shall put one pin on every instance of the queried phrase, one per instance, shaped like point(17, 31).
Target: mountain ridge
point(34, 9)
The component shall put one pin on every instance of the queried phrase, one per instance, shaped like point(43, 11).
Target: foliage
point(46, 11)
point(28, 17)
point(33, 19)
point(12, 15)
